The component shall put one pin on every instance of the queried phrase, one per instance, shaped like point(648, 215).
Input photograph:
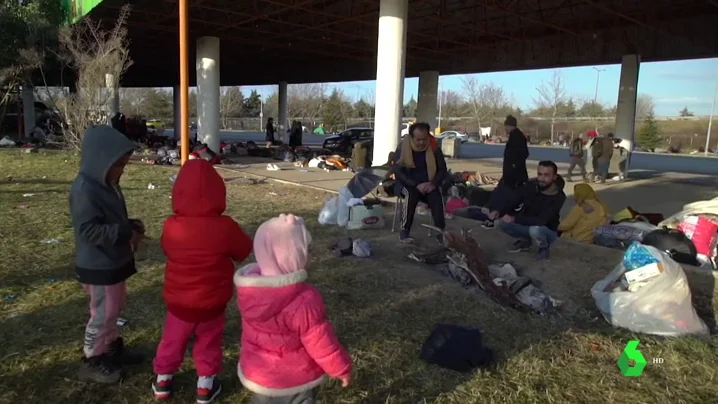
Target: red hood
point(199, 190)
point(260, 298)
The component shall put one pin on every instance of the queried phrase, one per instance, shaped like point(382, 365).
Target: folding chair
point(399, 209)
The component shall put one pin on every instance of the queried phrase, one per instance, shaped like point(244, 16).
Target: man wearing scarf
point(420, 171)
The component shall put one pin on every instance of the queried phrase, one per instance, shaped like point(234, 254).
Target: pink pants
point(207, 350)
point(106, 304)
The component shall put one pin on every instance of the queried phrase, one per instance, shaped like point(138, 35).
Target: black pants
point(412, 197)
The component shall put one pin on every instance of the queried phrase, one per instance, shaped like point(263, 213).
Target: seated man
point(538, 217)
point(420, 169)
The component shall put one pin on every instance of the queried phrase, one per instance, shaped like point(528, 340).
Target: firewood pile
point(465, 253)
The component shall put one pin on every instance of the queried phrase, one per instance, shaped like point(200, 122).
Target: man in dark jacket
point(538, 215)
point(515, 155)
point(420, 170)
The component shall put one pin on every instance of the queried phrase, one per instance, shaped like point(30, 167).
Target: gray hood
point(101, 148)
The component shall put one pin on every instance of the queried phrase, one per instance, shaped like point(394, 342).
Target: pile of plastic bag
point(648, 292)
point(336, 208)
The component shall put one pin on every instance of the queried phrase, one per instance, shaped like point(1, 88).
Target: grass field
point(382, 308)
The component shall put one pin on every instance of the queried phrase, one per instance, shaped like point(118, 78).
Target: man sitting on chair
point(420, 170)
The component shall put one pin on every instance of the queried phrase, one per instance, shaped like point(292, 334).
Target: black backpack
point(674, 243)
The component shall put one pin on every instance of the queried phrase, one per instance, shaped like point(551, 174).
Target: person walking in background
point(592, 153)
point(604, 158)
point(270, 131)
point(576, 154)
point(515, 154)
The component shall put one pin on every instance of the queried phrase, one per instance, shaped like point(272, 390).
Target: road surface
point(639, 161)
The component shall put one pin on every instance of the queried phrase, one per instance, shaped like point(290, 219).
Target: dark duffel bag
point(674, 243)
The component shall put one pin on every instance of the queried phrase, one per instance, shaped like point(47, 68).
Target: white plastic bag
point(343, 206)
point(328, 214)
point(662, 306)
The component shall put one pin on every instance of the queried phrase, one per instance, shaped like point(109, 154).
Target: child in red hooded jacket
point(200, 244)
point(287, 343)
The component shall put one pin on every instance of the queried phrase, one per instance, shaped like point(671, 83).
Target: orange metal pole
point(184, 79)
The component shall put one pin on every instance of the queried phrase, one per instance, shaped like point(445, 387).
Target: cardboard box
point(643, 273)
point(366, 217)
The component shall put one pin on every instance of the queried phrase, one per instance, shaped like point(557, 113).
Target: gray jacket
point(99, 215)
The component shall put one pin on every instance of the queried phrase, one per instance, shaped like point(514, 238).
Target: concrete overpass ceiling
point(265, 41)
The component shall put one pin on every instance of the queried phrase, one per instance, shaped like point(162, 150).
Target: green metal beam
point(76, 9)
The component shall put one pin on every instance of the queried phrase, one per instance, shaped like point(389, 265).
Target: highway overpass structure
point(300, 41)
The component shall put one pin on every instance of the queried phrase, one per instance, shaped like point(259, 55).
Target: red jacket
point(200, 244)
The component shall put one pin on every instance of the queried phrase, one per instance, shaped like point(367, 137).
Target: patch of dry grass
point(382, 308)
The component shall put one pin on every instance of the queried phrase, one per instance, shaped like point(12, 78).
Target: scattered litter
point(121, 322)
point(304, 170)
point(50, 241)
point(51, 281)
point(273, 167)
point(343, 247)
point(241, 166)
point(173, 178)
point(27, 195)
point(273, 194)
point(9, 297)
point(361, 248)
point(23, 206)
point(456, 348)
point(152, 186)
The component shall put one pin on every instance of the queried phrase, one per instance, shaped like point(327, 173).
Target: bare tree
point(230, 104)
point(485, 100)
point(93, 53)
point(472, 90)
point(452, 106)
point(644, 106)
point(551, 96)
point(306, 100)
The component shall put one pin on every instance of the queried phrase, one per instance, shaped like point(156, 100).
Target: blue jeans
point(542, 236)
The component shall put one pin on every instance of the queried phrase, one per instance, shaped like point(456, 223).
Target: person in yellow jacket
point(585, 217)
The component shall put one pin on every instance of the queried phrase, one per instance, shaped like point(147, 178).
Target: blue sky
point(673, 85)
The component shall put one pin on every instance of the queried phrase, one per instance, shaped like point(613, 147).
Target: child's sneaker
point(208, 388)
point(99, 369)
point(162, 387)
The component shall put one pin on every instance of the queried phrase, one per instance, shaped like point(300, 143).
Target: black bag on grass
point(674, 243)
point(456, 348)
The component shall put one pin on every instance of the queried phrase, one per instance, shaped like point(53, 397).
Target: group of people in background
point(529, 210)
point(295, 132)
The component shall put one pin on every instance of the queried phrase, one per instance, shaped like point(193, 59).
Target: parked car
point(343, 143)
point(453, 134)
point(43, 114)
point(155, 127)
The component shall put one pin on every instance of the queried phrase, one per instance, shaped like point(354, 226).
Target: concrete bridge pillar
point(28, 109)
point(282, 123)
point(426, 110)
point(113, 100)
point(626, 105)
point(208, 119)
point(176, 110)
point(391, 51)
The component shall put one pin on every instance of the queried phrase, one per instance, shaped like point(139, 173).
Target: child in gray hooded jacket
point(105, 240)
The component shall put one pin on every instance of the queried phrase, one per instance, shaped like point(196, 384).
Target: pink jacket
point(287, 343)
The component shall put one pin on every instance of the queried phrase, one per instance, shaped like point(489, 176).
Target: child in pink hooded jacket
point(287, 344)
